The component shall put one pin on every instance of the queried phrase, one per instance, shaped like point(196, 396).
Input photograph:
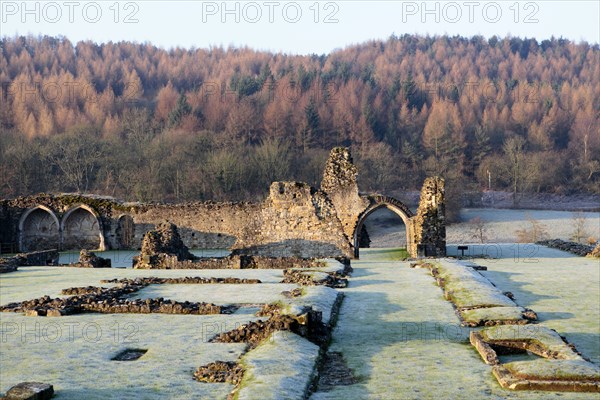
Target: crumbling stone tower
point(339, 182)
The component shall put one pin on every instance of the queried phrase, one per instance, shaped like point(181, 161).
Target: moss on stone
point(543, 369)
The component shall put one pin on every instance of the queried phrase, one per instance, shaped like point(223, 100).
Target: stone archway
point(376, 202)
point(81, 229)
point(39, 229)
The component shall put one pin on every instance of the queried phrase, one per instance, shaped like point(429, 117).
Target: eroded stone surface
point(162, 247)
point(561, 369)
point(30, 391)
point(429, 225)
point(308, 324)
point(88, 259)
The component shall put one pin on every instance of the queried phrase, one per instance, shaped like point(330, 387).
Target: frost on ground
point(466, 288)
point(403, 340)
point(283, 366)
point(548, 339)
point(33, 282)
point(547, 362)
point(478, 302)
point(74, 354)
point(563, 290)
point(386, 229)
point(502, 224)
point(219, 294)
point(478, 316)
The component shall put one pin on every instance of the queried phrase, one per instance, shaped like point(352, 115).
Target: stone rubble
point(152, 280)
point(30, 391)
point(309, 279)
point(111, 301)
point(595, 253)
point(8, 265)
point(220, 372)
point(308, 324)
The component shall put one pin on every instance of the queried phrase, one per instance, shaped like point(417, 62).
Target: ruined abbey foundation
point(294, 220)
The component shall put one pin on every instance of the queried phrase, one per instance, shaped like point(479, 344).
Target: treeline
point(143, 123)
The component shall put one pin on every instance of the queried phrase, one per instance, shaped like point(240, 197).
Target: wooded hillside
point(144, 123)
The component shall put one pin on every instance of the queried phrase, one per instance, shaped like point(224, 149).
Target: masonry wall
point(294, 220)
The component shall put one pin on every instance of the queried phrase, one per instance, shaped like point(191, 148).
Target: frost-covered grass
point(467, 288)
point(282, 367)
point(554, 369)
point(32, 282)
point(403, 340)
point(563, 289)
point(502, 224)
point(260, 293)
point(73, 353)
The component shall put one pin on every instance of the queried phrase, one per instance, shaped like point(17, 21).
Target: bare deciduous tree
point(533, 232)
point(579, 232)
point(478, 229)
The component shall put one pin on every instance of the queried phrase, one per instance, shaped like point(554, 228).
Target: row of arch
point(79, 228)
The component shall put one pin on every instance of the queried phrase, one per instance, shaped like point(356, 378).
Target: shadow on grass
point(505, 281)
point(587, 344)
point(372, 323)
point(386, 254)
point(553, 315)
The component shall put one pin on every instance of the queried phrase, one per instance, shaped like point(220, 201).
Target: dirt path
point(402, 340)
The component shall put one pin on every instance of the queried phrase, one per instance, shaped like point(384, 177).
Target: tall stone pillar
point(339, 182)
point(429, 225)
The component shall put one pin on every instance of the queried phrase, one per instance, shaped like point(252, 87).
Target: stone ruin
point(294, 220)
point(11, 264)
point(88, 259)
point(162, 248)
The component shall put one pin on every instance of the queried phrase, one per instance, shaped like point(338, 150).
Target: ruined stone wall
point(56, 221)
point(294, 220)
point(201, 225)
point(429, 224)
